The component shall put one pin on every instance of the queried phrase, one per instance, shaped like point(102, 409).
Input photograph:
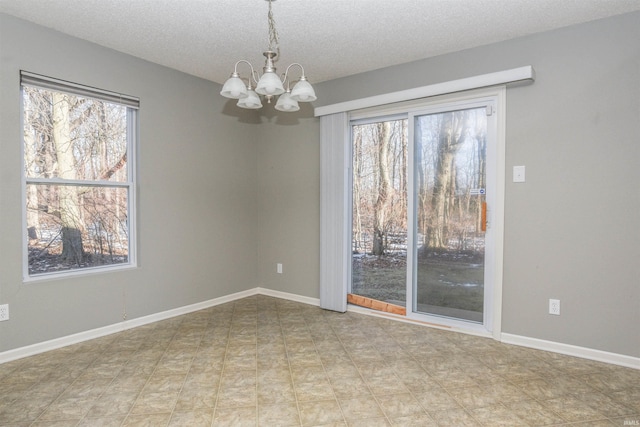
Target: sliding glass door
point(449, 213)
point(423, 195)
point(379, 212)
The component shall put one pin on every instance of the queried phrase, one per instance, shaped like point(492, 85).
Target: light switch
point(518, 174)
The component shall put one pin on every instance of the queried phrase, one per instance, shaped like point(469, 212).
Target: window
point(79, 188)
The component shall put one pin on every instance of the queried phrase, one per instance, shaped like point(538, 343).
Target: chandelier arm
point(235, 67)
point(255, 76)
point(286, 72)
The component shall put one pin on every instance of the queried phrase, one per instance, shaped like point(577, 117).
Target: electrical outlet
point(4, 312)
point(554, 307)
point(279, 268)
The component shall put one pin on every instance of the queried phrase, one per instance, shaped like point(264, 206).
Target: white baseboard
point(572, 350)
point(288, 296)
point(53, 344)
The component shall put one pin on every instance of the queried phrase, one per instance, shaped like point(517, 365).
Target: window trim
point(132, 105)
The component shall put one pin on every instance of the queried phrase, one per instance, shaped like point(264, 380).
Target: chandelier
point(269, 85)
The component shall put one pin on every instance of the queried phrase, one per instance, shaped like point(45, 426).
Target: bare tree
point(385, 189)
point(357, 184)
point(70, 213)
point(453, 129)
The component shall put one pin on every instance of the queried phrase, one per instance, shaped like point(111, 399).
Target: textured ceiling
point(331, 38)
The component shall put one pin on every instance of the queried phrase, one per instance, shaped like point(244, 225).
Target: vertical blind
point(335, 209)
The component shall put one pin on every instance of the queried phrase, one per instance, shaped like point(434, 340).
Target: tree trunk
point(384, 189)
point(70, 214)
point(453, 129)
point(33, 218)
point(357, 176)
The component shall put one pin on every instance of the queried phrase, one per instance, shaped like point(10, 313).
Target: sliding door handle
point(483, 217)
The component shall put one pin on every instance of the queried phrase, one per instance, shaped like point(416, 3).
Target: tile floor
point(263, 361)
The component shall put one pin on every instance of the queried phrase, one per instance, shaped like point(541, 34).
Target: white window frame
point(132, 104)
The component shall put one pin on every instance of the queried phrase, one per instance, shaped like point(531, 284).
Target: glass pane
point(73, 227)
point(379, 238)
point(450, 184)
point(70, 137)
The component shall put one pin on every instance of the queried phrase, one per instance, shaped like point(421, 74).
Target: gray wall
point(289, 203)
point(571, 231)
point(197, 204)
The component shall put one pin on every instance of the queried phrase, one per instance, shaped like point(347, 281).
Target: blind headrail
point(513, 75)
point(46, 82)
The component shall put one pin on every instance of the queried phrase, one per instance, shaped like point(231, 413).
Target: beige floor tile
point(191, 398)
point(265, 361)
point(61, 423)
point(505, 392)
point(415, 420)
point(67, 409)
point(238, 378)
point(454, 418)
point(309, 358)
point(159, 383)
point(111, 404)
point(147, 420)
point(275, 393)
point(346, 388)
point(375, 369)
point(360, 407)
point(279, 414)
point(237, 397)
point(274, 374)
point(597, 423)
point(344, 369)
point(606, 405)
point(23, 411)
point(312, 391)
point(155, 403)
point(382, 386)
point(629, 397)
point(454, 378)
point(196, 418)
point(400, 405)
point(437, 400)
point(320, 413)
point(305, 374)
point(474, 397)
point(572, 409)
point(497, 415)
point(111, 421)
point(534, 413)
point(369, 422)
point(235, 417)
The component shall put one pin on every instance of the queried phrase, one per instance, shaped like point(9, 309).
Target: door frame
point(496, 95)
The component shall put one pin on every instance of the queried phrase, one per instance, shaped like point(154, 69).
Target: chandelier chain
point(273, 33)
